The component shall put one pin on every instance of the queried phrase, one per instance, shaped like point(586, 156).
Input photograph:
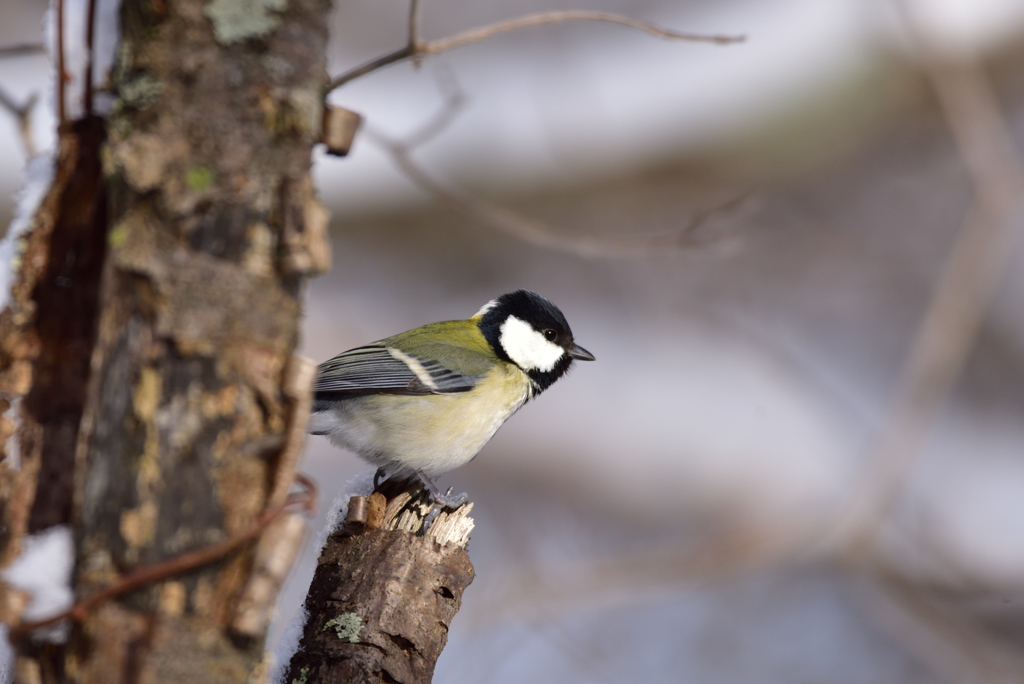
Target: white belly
point(432, 433)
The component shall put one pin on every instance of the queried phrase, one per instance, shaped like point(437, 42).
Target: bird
point(424, 402)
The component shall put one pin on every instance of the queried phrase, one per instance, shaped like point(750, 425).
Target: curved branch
point(484, 32)
point(372, 65)
point(414, 21)
point(90, 32)
point(61, 74)
point(417, 48)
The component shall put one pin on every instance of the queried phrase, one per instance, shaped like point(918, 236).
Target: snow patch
point(288, 646)
point(360, 485)
point(38, 177)
point(44, 571)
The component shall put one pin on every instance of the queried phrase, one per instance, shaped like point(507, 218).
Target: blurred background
point(747, 237)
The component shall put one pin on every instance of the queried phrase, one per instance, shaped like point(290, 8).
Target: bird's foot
point(447, 500)
point(377, 477)
point(442, 501)
point(430, 517)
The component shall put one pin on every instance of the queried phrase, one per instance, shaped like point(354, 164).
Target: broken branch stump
point(384, 593)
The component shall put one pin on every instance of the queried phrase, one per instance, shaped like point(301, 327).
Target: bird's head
point(525, 329)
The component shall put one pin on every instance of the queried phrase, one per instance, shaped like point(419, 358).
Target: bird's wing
point(380, 369)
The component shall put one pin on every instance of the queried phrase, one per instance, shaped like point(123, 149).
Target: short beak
point(578, 352)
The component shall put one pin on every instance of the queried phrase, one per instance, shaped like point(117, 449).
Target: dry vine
point(174, 567)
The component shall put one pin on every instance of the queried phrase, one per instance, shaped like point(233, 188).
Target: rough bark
point(383, 597)
point(160, 392)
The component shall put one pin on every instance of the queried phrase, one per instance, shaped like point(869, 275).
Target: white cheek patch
point(527, 347)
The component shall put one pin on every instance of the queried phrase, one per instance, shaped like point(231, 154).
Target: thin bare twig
point(414, 21)
point(22, 50)
point(23, 114)
point(90, 30)
point(61, 75)
point(417, 48)
point(965, 287)
point(374, 64)
point(484, 32)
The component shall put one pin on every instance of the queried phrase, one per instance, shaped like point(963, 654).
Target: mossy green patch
point(199, 178)
point(116, 237)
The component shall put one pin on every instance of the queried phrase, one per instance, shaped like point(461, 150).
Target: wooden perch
point(384, 593)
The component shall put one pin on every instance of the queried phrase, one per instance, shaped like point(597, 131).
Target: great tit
point(425, 401)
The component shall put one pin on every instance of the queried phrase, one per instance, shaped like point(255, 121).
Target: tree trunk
point(384, 594)
point(158, 419)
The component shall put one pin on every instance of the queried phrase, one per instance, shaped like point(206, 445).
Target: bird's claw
point(447, 500)
point(429, 518)
point(442, 501)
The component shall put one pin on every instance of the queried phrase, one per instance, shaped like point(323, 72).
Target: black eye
point(549, 334)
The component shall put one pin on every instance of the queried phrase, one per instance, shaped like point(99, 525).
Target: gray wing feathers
point(373, 369)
